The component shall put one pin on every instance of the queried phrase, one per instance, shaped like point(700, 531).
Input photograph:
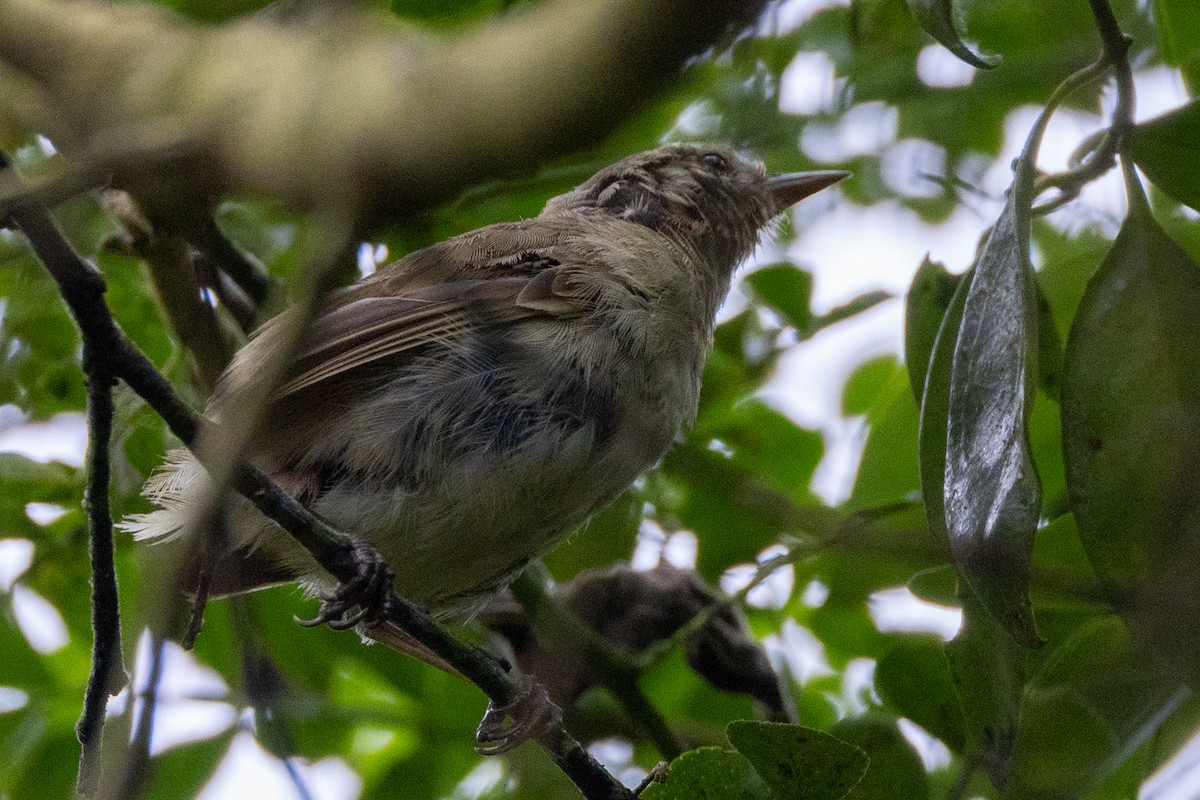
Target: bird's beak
point(791, 188)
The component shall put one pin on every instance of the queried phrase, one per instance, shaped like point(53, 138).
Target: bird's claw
point(533, 714)
point(365, 598)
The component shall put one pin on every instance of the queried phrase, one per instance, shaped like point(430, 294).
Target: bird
point(466, 406)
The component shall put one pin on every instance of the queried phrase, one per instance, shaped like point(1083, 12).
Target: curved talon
point(369, 591)
point(533, 714)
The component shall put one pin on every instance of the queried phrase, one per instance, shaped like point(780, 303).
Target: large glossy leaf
point(992, 492)
point(1131, 421)
point(1167, 149)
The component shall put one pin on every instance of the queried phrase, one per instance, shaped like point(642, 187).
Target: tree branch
point(107, 665)
point(350, 110)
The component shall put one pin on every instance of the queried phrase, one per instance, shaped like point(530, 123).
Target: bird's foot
point(533, 714)
point(369, 592)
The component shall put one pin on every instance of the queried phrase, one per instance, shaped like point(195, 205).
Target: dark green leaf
point(913, 677)
point(709, 773)
point(1091, 702)
point(938, 19)
point(1167, 149)
point(1178, 21)
point(993, 495)
point(895, 768)
point(929, 296)
point(988, 670)
point(799, 763)
point(936, 585)
point(1131, 420)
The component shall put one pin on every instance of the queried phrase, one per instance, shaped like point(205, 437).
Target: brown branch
point(108, 668)
point(350, 111)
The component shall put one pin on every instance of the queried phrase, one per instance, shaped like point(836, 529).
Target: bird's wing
point(496, 276)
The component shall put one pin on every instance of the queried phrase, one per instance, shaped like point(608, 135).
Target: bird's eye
point(715, 162)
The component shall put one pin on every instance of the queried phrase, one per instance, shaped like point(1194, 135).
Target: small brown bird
point(467, 405)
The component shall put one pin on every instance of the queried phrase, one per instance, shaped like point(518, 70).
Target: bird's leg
point(532, 712)
point(369, 591)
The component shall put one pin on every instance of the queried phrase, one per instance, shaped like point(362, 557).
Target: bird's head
point(709, 197)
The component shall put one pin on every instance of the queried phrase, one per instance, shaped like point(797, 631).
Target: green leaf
point(988, 670)
point(914, 678)
point(938, 19)
point(888, 471)
point(929, 296)
point(1049, 346)
point(799, 763)
point(895, 768)
point(1178, 21)
point(856, 306)
point(992, 494)
point(709, 773)
point(1131, 420)
point(1092, 701)
point(786, 289)
point(1167, 149)
point(935, 404)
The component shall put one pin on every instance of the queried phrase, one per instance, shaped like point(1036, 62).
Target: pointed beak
point(789, 189)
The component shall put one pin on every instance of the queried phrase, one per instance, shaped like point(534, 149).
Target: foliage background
point(929, 143)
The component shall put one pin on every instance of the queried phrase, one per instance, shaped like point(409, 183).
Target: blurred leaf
point(1063, 279)
point(1049, 346)
point(936, 585)
point(913, 677)
point(709, 773)
point(895, 769)
point(797, 762)
point(988, 670)
point(184, 770)
point(888, 471)
point(1092, 701)
point(866, 386)
point(939, 19)
point(787, 290)
point(929, 295)
point(992, 494)
point(856, 306)
point(1178, 21)
point(1163, 145)
point(1131, 418)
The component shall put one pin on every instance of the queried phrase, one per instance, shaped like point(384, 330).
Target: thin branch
point(1102, 157)
point(107, 665)
point(250, 276)
point(174, 278)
